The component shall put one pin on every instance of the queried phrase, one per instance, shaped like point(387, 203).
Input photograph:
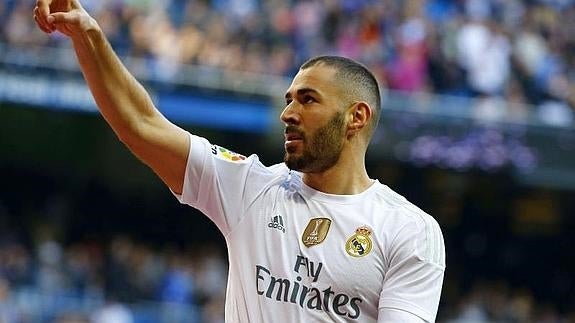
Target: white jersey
point(300, 255)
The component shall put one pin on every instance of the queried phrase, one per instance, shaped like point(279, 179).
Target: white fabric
point(273, 276)
point(392, 315)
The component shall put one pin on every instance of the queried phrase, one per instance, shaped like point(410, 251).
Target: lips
point(293, 137)
point(292, 133)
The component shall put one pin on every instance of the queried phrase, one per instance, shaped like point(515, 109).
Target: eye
point(309, 99)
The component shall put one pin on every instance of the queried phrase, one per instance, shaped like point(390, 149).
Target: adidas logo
point(277, 223)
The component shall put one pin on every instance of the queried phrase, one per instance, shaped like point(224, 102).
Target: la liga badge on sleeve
point(226, 154)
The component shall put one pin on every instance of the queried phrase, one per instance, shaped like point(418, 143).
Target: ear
point(359, 116)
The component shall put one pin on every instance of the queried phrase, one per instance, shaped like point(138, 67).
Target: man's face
point(315, 122)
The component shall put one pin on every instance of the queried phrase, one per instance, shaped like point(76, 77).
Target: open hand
point(65, 16)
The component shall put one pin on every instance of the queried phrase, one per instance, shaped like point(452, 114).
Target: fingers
point(72, 17)
point(41, 26)
point(41, 14)
point(43, 7)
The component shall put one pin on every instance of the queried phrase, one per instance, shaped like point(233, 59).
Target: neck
point(346, 177)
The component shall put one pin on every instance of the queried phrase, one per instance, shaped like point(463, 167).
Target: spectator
point(412, 45)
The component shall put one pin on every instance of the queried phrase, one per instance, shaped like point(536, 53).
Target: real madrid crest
point(359, 244)
point(315, 231)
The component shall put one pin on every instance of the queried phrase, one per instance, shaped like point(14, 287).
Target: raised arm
point(122, 100)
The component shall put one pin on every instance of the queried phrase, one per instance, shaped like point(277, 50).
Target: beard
point(323, 149)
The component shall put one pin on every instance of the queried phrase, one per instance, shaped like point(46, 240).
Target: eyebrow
point(302, 92)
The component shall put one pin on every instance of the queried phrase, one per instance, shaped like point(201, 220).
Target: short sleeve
point(391, 315)
point(416, 268)
point(215, 182)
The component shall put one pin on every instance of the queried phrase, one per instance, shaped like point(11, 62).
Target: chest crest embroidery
point(359, 244)
point(316, 231)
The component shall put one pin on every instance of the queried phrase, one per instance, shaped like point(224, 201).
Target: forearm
point(122, 100)
point(128, 109)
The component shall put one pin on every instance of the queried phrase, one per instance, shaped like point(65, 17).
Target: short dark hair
point(359, 80)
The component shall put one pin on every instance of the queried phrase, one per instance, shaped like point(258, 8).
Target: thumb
point(63, 17)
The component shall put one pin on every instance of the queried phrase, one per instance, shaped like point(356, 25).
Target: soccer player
point(312, 239)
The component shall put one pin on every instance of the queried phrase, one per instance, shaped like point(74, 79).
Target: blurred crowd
point(496, 302)
point(506, 53)
point(121, 281)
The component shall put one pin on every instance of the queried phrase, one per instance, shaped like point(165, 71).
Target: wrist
point(87, 27)
point(90, 25)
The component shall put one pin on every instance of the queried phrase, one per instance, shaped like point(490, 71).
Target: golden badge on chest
point(316, 231)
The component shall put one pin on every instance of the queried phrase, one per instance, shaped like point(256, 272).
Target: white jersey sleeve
point(391, 315)
point(216, 183)
point(416, 268)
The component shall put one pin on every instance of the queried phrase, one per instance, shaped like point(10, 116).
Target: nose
point(289, 115)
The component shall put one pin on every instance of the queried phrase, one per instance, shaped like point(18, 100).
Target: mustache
point(291, 129)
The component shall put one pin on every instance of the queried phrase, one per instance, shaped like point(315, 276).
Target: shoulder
point(223, 161)
point(400, 209)
point(411, 227)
